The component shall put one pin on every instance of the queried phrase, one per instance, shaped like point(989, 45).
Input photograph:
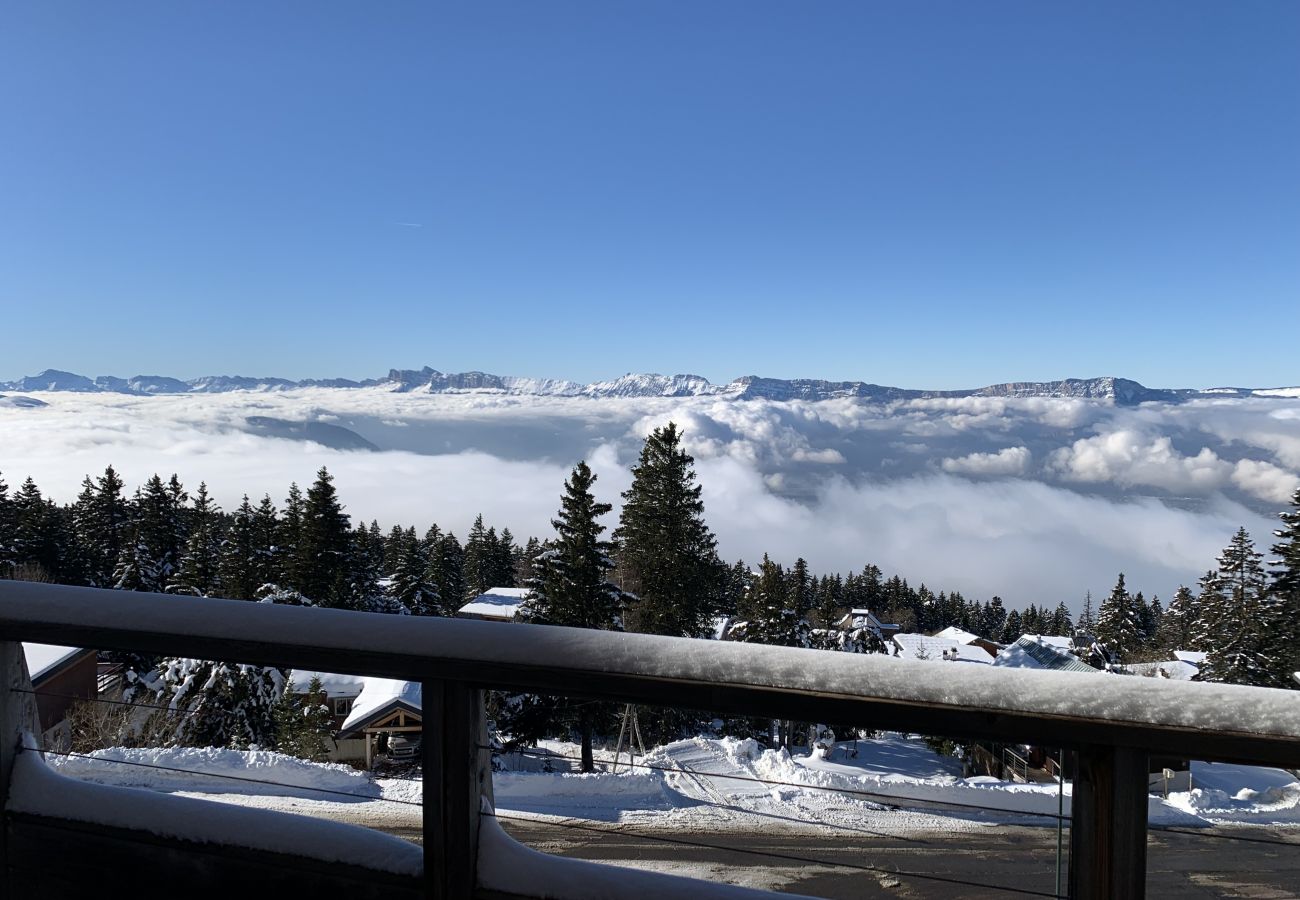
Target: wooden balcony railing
point(1112, 723)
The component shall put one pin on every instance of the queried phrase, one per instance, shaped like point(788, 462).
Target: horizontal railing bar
point(951, 699)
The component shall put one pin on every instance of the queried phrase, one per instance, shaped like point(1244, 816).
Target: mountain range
point(1121, 391)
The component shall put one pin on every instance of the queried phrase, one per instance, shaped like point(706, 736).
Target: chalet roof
point(1029, 653)
point(920, 646)
point(1175, 670)
point(497, 603)
point(953, 633)
point(333, 684)
point(43, 660)
point(863, 618)
point(1195, 657)
point(379, 697)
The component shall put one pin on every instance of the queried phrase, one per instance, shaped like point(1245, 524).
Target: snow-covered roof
point(332, 684)
point(1028, 653)
point(1195, 657)
point(42, 659)
point(498, 603)
point(1176, 670)
point(953, 633)
point(720, 626)
point(378, 695)
point(1060, 642)
point(862, 618)
point(919, 646)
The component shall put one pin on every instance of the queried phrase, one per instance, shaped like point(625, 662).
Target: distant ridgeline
point(430, 381)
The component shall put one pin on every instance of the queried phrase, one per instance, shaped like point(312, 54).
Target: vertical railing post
point(1108, 824)
point(454, 776)
point(17, 715)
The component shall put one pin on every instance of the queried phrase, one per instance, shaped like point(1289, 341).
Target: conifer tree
point(8, 552)
point(410, 586)
point(668, 554)
point(323, 560)
point(768, 609)
point(451, 573)
point(1179, 620)
point(572, 585)
point(1284, 586)
point(1087, 623)
point(1246, 649)
point(238, 550)
point(1062, 625)
point(481, 563)
point(198, 571)
point(1117, 621)
point(303, 723)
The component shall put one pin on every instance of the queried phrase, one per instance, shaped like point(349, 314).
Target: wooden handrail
point(1112, 721)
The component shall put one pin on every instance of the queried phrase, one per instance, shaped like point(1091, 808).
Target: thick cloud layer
point(1034, 499)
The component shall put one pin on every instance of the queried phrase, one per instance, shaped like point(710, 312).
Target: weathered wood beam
point(1108, 824)
point(451, 762)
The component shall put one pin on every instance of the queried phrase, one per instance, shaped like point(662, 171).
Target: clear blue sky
point(933, 194)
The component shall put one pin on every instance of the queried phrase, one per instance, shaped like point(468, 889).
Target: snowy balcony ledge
point(1113, 723)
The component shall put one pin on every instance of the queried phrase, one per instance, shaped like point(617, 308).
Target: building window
point(342, 706)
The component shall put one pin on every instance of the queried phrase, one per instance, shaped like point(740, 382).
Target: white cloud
point(841, 483)
point(1007, 461)
point(1265, 480)
point(1127, 458)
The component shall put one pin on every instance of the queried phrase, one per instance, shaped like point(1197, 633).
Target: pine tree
point(1087, 623)
point(1013, 628)
point(1117, 621)
point(323, 561)
point(304, 725)
point(768, 612)
point(668, 555)
point(37, 542)
point(235, 568)
point(101, 519)
point(451, 573)
point(410, 586)
point(1062, 625)
point(8, 551)
point(1241, 654)
point(1176, 625)
point(480, 565)
point(198, 572)
point(1205, 627)
point(572, 585)
point(1284, 586)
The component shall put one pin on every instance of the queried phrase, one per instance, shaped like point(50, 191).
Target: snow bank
point(211, 770)
point(595, 796)
point(39, 790)
point(1240, 795)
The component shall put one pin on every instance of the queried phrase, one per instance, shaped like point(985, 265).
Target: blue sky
point(933, 194)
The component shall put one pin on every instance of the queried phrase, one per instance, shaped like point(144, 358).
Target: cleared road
point(831, 865)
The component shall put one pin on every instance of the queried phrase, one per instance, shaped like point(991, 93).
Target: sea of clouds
point(1035, 499)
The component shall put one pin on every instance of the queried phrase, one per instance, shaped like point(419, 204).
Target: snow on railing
point(1112, 723)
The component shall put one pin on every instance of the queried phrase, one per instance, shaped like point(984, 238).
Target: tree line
point(658, 571)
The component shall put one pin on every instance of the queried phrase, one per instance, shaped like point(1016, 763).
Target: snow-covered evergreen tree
point(323, 562)
point(668, 555)
point(768, 611)
point(1118, 625)
point(1239, 653)
point(8, 553)
point(410, 586)
point(1087, 623)
point(199, 571)
point(1284, 586)
point(304, 725)
point(571, 587)
point(1179, 620)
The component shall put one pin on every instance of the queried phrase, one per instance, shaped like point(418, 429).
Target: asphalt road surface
point(1199, 865)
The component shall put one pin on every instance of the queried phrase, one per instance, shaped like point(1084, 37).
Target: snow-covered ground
point(700, 784)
